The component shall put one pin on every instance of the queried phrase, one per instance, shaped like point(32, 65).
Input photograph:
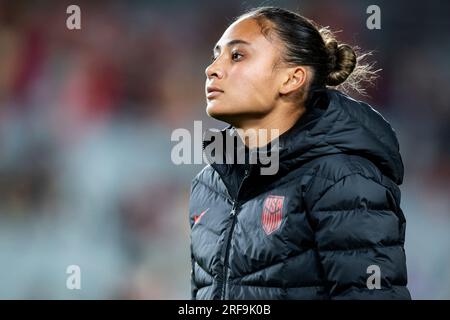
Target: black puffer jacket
point(317, 228)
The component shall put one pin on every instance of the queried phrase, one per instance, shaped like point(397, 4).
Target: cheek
point(255, 86)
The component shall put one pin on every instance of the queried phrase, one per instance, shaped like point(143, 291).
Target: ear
point(294, 79)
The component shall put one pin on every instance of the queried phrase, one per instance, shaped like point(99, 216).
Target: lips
point(213, 92)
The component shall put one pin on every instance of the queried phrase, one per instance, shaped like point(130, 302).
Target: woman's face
point(241, 82)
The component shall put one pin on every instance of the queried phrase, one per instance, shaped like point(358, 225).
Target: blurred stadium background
point(85, 124)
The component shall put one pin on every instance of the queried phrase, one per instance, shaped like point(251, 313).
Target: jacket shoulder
point(331, 169)
point(209, 179)
point(336, 166)
point(204, 174)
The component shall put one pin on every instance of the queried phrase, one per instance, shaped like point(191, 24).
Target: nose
point(214, 70)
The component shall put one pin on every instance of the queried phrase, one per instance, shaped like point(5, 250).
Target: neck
point(269, 127)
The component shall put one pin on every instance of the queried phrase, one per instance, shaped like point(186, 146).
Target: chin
point(224, 117)
point(217, 111)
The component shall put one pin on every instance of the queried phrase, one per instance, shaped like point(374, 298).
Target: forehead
point(246, 29)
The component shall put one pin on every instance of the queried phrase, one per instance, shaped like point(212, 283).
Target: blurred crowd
point(86, 118)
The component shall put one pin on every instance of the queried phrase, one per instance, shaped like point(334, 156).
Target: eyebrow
point(232, 42)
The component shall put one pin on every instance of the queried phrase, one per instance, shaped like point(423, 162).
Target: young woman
point(328, 223)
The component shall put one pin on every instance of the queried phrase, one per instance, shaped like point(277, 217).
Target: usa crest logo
point(272, 213)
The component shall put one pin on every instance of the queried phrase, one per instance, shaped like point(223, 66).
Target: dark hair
point(334, 64)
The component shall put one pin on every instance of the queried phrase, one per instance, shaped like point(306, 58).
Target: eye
point(213, 58)
point(236, 56)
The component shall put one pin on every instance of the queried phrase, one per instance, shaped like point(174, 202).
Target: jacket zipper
point(228, 241)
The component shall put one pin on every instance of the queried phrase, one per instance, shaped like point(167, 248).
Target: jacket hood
point(337, 123)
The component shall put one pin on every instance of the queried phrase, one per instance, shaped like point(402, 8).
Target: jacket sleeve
point(359, 234)
point(194, 288)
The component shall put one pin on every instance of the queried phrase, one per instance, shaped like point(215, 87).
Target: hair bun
point(342, 62)
point(332, 48)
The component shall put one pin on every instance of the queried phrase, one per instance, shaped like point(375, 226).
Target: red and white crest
point(272, 213)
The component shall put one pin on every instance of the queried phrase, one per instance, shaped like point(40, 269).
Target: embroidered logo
point(272, 213)
point(198, 217)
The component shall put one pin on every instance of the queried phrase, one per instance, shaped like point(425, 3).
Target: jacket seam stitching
point(280, 287)
point(276, 263)
point(354, 209)
point(202, 268)
point(342, 178)
point(396, 244)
